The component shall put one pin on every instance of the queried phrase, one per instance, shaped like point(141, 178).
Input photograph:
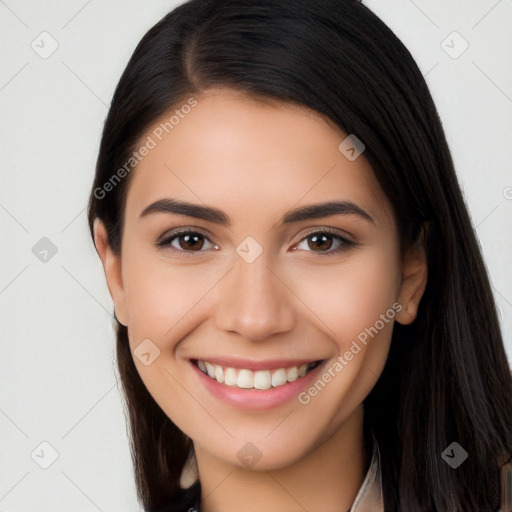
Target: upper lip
point(251, 364)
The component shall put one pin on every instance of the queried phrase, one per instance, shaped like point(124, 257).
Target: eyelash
point(345, 244)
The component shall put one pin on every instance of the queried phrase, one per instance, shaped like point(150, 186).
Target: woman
point(304, 320)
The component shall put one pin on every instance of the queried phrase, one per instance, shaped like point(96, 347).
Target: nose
point(253, 301)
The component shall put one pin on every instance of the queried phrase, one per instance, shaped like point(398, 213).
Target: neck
point(327, 479)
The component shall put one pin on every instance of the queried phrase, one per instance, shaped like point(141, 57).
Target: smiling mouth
point(259, 379)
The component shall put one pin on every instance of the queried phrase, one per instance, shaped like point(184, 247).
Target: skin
point(255, 161)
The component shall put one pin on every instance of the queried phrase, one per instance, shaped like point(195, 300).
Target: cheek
point(350, 297)
point(353, 307)
point(162, 298)
point(164, 304)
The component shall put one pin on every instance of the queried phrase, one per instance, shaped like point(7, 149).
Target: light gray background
point(58, 378)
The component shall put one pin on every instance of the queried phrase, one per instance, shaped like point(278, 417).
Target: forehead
point(235, 152)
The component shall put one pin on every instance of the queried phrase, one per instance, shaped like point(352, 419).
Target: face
point(255, 250)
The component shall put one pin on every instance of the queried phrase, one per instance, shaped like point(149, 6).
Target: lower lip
point(257, 399)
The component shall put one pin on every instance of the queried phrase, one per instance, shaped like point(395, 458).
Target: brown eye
point(322, 242)
point(325, 243)
point(190, 242)
point(186, 241)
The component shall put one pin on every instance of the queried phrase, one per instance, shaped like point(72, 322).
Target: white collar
point(369, 497)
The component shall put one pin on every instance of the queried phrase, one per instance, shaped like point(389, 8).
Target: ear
point(112, 267)
point(414, 280)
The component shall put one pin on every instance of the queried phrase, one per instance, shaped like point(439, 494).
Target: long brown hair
point(447, 377)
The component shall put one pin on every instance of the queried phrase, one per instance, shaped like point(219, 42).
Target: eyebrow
point(208, 213)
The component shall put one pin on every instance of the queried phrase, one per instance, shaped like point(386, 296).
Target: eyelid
point(164, 241)
point(171, 233)
point(332, 231)
point(345, 242)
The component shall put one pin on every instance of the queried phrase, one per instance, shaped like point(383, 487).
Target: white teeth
point(292, 374)
point(219, 374)
point(209, 368)
point(262, 379)
point(230, 377)
point(279, 378)
point(245, 379)
point(248, 379)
